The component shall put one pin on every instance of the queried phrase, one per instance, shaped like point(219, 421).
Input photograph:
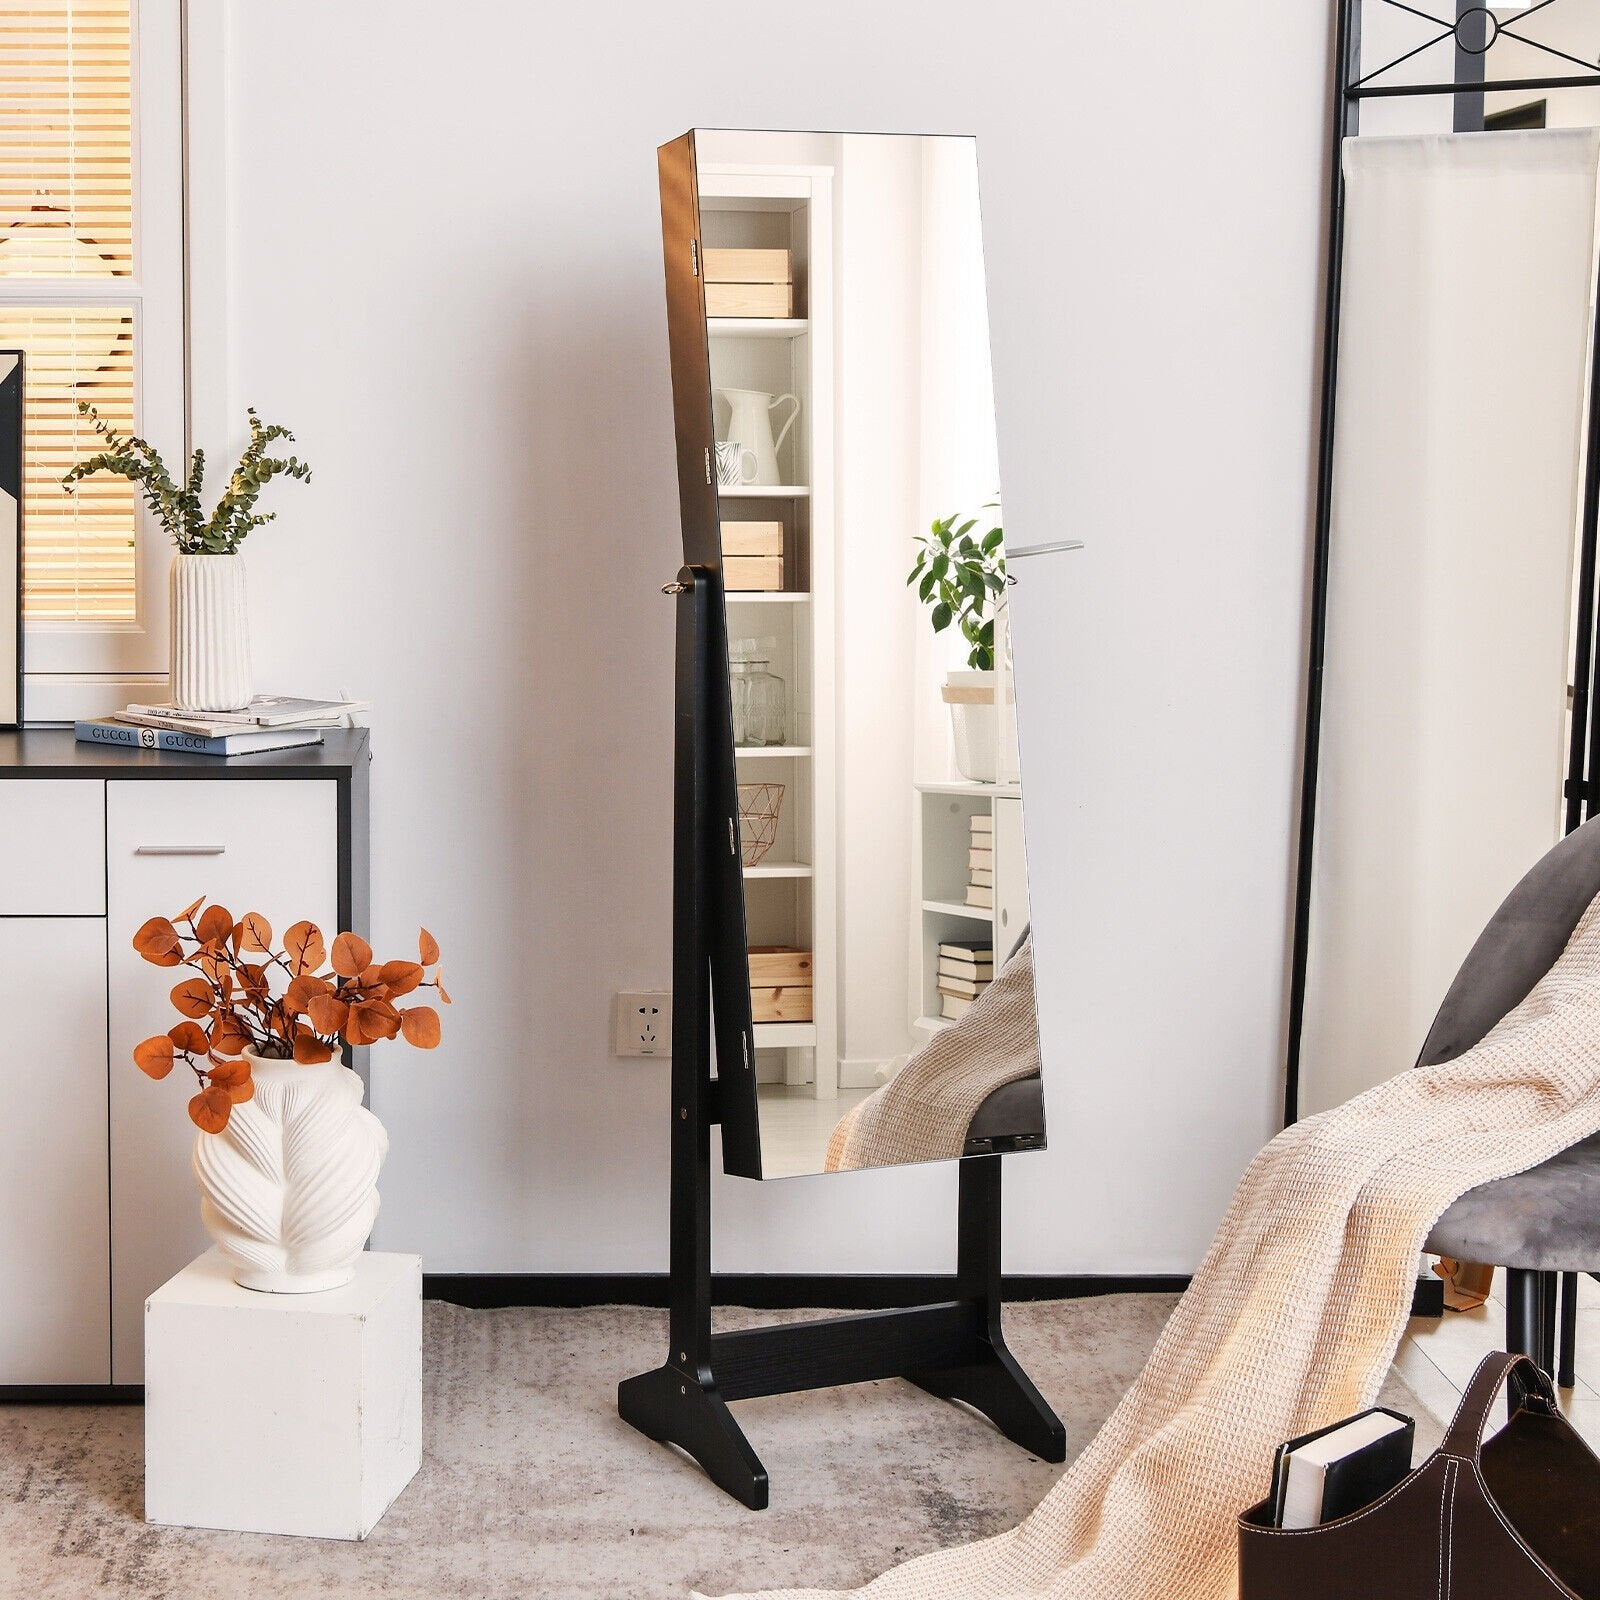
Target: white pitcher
point(750, 424)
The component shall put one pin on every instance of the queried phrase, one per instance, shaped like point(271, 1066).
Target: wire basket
point(759, 806)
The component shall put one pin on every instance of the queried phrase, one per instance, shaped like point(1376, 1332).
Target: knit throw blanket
point(1293, 1319)
point(923, 1112)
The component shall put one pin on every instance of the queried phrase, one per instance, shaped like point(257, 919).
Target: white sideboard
point(98, 1206)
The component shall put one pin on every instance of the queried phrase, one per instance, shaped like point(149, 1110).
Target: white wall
point(443, 270)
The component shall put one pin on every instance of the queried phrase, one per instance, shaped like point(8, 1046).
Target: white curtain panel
point(1469, 275)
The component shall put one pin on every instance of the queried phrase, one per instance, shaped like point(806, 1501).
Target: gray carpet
point(531, 1487)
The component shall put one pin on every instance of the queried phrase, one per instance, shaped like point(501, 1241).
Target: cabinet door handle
point(181, 850)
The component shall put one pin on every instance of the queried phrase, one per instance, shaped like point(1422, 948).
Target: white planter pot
point(289, 1189)
point(974, 719)
point(210, 634)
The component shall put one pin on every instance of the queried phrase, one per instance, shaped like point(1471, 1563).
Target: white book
point(982, 877)
point(980, 896)
point(980, 858)
point(982, 822)
point(265, 711)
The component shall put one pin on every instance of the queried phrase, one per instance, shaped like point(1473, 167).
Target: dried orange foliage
point(276, 1003)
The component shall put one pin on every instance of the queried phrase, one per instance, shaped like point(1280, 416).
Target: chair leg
point(1567, 1375)
point(1524, 1314)
point(1549, 1318)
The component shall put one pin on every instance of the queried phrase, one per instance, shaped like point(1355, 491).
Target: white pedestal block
point(282, 1413)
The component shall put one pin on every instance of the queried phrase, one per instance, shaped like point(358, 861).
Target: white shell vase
point(289, 1189)
point(210, 634)
point(975, 722)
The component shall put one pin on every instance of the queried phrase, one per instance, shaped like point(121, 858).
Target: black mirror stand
point(953, 1348)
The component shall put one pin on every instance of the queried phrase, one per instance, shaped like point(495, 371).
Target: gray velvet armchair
point(1543, 1225)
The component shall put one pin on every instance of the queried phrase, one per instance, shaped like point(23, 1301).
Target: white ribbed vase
point(210, 634)
point(289, 1189)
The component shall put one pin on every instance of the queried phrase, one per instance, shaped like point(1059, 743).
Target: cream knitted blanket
point(923, 1112)
point(1293, 1319)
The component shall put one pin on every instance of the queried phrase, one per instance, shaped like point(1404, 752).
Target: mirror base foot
point(997, 1386)
point(668, 1406)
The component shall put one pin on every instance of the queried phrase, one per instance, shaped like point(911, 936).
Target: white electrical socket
point(641, 1024)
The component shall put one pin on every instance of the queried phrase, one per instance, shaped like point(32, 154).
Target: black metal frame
point(952, 1346)
point(1532, 1319)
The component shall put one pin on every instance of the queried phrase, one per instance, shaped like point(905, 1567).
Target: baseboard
point(71, 1394)
point(764, 1291)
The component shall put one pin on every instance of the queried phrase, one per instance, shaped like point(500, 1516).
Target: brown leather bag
point(1517, 1518)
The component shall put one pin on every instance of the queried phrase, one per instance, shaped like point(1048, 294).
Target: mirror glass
point(865, 572)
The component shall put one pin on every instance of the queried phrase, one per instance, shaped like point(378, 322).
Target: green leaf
point(992, 540)
point(941, 617)
point(941, 564)
point(967, 526)
point(986, 632)
point(925, 589)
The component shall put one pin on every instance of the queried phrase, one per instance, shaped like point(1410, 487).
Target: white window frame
point(80, 669)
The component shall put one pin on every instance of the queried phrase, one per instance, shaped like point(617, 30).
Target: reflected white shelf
point(770, 752)
point(779, 869)
point(768, 597)
point(757, 327)
point(763, 491)
point(951, 909)
point(784, 1035)
point(960, 786)
point(935, 1024)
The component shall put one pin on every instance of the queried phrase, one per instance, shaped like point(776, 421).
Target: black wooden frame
point(1474, 39)
point(953, 1346)
point(13, 469)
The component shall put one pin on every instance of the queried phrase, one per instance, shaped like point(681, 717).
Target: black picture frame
point(13, 365)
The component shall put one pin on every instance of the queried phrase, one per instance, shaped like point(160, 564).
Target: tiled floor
point(795, 1127)
point(1437, 1358)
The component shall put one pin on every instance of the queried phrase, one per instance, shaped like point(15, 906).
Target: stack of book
point(980, 862)
point(269, 722)
point(966, 969)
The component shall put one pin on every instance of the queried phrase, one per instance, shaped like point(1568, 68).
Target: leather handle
point(1465, 1433)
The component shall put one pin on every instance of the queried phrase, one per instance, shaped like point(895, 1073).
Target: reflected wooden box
point(747, 573)
point(752, 538)
point(780, 984)
point(748, 283)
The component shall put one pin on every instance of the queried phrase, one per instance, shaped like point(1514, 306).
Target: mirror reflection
point(864, 565)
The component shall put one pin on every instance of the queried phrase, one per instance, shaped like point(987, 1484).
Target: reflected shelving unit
point(945, 812)
point(791, 894)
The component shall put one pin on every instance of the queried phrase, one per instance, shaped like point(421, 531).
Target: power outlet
point(641, 1024)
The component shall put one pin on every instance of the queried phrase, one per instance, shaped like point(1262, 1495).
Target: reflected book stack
point(269, 722)
point(980, 862)
point(966, 968)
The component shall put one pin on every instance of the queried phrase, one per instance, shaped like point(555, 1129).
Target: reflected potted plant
point(960, 573)
point(286, 1155)
point(210, 630)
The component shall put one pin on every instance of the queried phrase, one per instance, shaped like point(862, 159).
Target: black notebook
point(1341, 1468)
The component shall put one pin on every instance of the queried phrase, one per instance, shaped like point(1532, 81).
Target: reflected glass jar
point(760, 700)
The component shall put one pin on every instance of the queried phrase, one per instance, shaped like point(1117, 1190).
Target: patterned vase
point(210, 634)
point(289, 1189)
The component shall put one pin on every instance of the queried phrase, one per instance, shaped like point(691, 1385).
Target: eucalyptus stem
point(179, 510)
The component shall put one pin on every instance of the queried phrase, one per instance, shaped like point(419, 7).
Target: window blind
point(78, 552)
point(66, 140)
point(66, 238)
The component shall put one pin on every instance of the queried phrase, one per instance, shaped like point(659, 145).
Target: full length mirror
point(870, 667)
